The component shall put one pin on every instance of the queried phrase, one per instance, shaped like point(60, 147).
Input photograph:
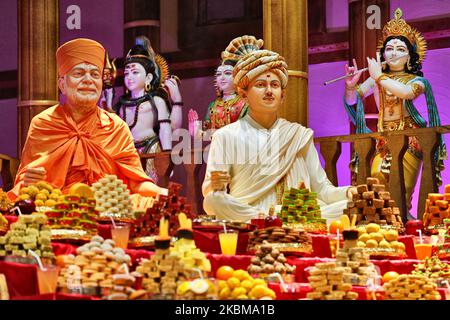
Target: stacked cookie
point(327, 283)
point(278, 235)
point(162, 274)
point(437, 208)
point(113, 198)
point(123, 289)
point(268, 260)
point(356, 265)
point(301, 206)
point(30, 232)
point(411, 287)
point(94, 266)
point(374, 204)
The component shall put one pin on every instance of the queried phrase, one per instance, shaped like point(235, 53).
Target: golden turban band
point(256, 63)
point(78, 51)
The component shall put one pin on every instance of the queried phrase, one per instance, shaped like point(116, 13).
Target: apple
point(26, 206)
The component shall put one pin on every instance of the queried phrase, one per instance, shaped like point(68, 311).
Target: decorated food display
point(73, 216)
point(300, 206)
point(328, 283)
point(30, 232)
point(285, 239)
point(145, 226)
point(378, 241)
point(436, 209)
point(113, 199)
point(268, 260)
point(411, 287)
point(42, 193)
point(433, 268)
point(239, 285)
point(92, 269)
point(373, 204)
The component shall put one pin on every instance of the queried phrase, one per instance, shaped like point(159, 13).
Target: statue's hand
point(219, 180)
point(193, 118)
point(33, 175)
point(174, 90)
point(352, 81)
point(375, 69)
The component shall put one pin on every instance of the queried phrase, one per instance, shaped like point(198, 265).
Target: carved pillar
point(141, 18)
point(38, 23)
point(286, 32)
point(363, 41)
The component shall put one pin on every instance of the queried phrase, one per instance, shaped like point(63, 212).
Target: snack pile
point(269, 260)
point(436, 208)
point(285, 239)
point(411, 287)
point(379, 241)
point(42, 193)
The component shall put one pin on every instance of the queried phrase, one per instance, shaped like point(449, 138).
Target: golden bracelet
point(416, 89)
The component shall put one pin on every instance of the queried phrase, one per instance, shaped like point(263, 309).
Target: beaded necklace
point(130, 102)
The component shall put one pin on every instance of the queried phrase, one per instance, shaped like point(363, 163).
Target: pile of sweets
point(123, 289)
point(5, 204)
point(327, 283)
point(242, 286)
point(300, 206)
point(376, 239)
point(113, 198)
point(74, 214)
point(433, 268)
point(437, 208)
point(268, 260)
point(355, 262)
point(185, 249)
point(42, 193)
point(374, 204)
point(30, 232)
point(164, 272)
point(94, 265)
point(198, 289)
point(411, 287)
point(168, 207)
point(286, 239)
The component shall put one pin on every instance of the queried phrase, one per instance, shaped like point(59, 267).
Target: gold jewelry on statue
point(408, 64)
point(381, 77)
point(399, 27)
point(147, 87)
point(416, 89)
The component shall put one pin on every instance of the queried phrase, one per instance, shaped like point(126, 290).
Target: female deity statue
point(146, 106)
point(395, 80)
point(228, 106)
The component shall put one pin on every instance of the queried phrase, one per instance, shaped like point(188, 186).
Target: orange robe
point(70, 152)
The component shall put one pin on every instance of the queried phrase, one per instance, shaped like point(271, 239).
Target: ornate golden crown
point(399, 27)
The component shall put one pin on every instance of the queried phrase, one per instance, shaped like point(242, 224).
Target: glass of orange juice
point(423, 248)
point(228, 241)
point(120, 233)
point(48, 279)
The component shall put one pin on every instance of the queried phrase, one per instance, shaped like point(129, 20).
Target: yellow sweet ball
point(57, 191)
point(398, 245)
point(361, 244)
point(364, 237)
point(258, 282)
point(391, 235)
point(371, 243)
point(50, 203)
point(242, 297)
point(33, 191)
point(259, 291)
point(24, 197)
point(372, 227)
point(247, 285)
point(41, 196)
point(44, 191)
point(24, 190)
point(384, 244)
point(224, 293)
point(241, 274)
point(361, 231)
point(377, 236)
point(221, 284)
point(237, 292)
point(233, 282)
point(39, 203)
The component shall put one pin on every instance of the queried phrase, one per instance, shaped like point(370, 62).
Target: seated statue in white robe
point(252, 160)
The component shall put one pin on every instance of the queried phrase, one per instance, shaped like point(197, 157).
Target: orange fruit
point(224, 272)
point(390, 275)
point(335, 225)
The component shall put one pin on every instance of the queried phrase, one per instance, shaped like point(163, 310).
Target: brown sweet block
point(435, 196)
point(447, 196)
point(443, 214)
point(386, 211)
point(384, 195)
point(378, 187)
point(399, 219)
point(390, 218)
point(371, 181)
point(362, 188)
point(359, 218)
point(355, 197)
point(368, 195)
point(352, 211)
point(378, 203)
point(433, 209)
point(369, 211)
point(350, 204)
point(382, 222)
point(442, 204)
point(396, 211)
point(447, 188)
point(360, 203)
point(389, 203)
point(370, 218)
